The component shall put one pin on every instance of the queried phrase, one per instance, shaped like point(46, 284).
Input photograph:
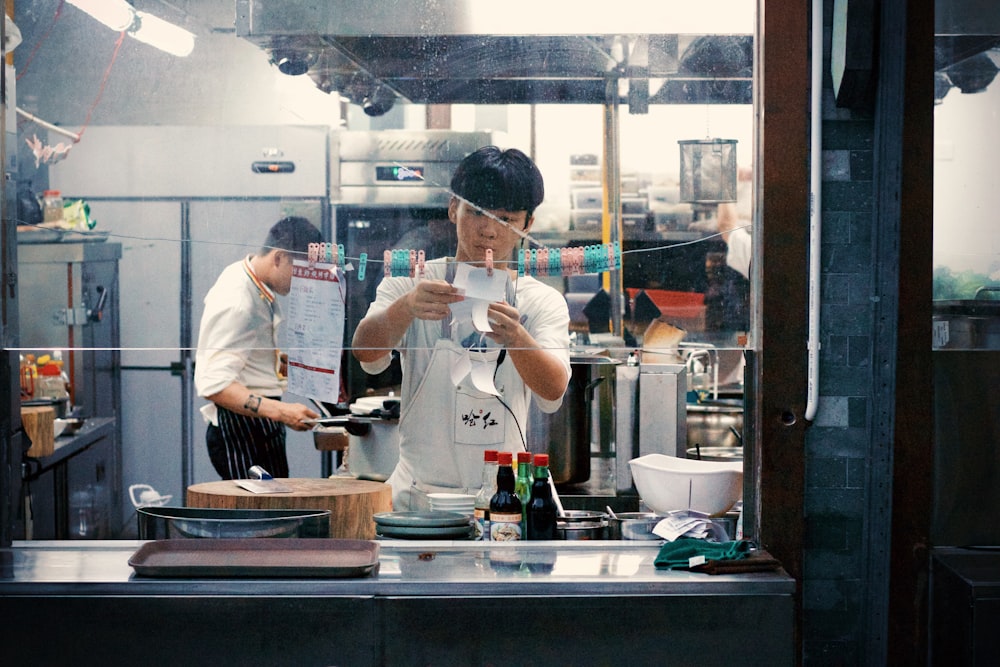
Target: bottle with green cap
point(522, 486)
point(541, 507)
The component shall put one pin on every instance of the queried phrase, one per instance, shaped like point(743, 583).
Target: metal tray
point(293, 557)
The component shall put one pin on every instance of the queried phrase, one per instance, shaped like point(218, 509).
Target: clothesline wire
point(371, 260)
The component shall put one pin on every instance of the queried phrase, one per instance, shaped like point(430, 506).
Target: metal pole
point(187, 363)
point(612, 183)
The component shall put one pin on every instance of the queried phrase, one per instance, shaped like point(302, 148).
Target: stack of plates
point(433, 525)
point(452, 502)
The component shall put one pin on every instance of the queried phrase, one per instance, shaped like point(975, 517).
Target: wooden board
point(352, 502)
point(39, 424)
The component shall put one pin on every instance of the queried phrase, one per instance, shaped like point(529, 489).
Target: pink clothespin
point(577, 260)
point(313, 255)
point(387, 260)
point(543, 262)
point(489, 262)
point(421, 257)
point(413, 263)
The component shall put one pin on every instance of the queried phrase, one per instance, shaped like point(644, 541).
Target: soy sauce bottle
point(505, 506)
point(541, 508)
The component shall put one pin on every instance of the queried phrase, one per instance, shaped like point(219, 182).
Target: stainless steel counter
point(434, 602)
point(603, 567)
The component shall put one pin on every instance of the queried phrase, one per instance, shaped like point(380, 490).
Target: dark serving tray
point(252, 557)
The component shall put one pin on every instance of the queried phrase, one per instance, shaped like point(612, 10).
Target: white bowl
point(668, 483)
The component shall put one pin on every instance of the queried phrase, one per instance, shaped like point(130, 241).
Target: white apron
point(444, 429)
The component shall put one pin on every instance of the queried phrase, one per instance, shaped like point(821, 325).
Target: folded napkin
point(678, 554)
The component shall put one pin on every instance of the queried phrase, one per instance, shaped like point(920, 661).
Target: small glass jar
point(52, 206)
point(51, 383)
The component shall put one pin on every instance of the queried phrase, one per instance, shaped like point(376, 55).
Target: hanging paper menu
point(315, 330)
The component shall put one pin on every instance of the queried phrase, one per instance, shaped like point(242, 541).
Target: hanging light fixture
point(121, 16)
point(708, 171)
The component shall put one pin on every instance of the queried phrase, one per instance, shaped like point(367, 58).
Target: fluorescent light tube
point(121, 16)
point(116, 14)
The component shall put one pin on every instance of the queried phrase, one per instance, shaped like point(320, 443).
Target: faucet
point(703, 360)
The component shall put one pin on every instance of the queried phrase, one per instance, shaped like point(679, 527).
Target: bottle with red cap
point(541, 511)
point(481, 508)
point(505, 506)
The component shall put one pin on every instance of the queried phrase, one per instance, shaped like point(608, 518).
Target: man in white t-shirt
point(446, 420)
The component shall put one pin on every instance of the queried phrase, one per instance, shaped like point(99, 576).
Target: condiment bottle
point(505, 508)
point(541, 511)
point(50, 383)
point(481, 508)
point(522, 486)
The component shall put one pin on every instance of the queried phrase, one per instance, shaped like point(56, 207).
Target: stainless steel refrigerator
point(184, 202)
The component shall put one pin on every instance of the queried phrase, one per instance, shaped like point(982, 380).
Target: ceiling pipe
point(815, 214)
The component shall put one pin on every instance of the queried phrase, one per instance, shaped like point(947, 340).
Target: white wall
point(966, 192)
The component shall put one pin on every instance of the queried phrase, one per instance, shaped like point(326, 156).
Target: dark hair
point(293, 233)
point(491, 178)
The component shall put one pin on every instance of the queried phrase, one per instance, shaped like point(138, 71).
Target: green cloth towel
point(675, 555)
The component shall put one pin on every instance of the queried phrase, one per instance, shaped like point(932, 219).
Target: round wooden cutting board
point(352, 502)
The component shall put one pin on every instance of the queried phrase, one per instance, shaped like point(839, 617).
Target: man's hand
point(430, 299)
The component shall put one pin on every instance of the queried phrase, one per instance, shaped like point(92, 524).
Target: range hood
point(473, 52)
point(966, 45)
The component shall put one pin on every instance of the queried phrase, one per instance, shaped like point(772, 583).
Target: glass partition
point(169, 187)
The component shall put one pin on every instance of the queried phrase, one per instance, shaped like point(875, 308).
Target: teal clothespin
point(362, 265)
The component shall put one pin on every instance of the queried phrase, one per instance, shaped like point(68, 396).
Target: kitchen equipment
point(581, 525)
point(159, 523)
point(715, 423)
point(373, 437)
point(667, 483)
point(708, 170)
point(633, 526)
point(351, 502)
point(651, 417)
point(584, 422)
point(144, 495)
point(732, 454)
point(970, 324)
point(256, 558)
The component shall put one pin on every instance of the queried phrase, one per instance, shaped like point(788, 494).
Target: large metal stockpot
point(586, 417)
point(715, 423)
